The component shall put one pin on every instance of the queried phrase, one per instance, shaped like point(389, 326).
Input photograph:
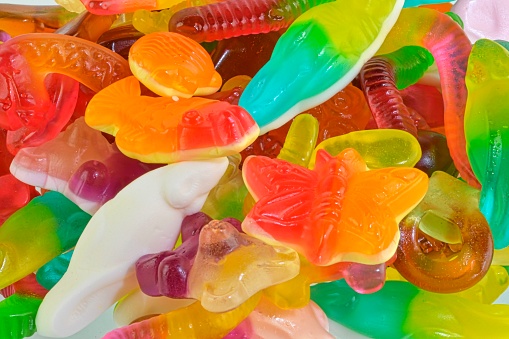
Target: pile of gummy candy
point(254, 168)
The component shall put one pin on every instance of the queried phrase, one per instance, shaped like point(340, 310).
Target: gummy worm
point(383, 75)
point(234, 18)
point(450, 47)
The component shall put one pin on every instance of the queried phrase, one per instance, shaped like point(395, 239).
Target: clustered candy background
point(314, 151)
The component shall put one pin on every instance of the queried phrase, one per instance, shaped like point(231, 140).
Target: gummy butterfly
point(339, 211)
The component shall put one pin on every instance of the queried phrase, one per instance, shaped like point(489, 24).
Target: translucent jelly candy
point(165, 195)
point(18, 311)
point(51, 273)
point(105, 7)
point(25, 62)
point(120, 39)
point(227, 198)
point(79, 163)
point(192, 321)
point(46, 227)
point(268, 321)
point(170, 64)
point(14, 194)
point(344, 112)
point(157, 21)
point(401, 310)
point(233, 18)
point(162, 130)
point(435, 153)
point(383, 75)
point(427, 101)
point(243, 55)
point(486, 132)
point(319, 60)
point(316, 212)
point(450, 47)
point(295, 293)
point(166, 273)
point(231, 266)
point(379, 148)
point(446, 244)
point(137, 306)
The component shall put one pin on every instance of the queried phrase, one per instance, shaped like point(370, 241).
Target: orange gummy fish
point(170, 64)
point(339, 211)
point(162, 130)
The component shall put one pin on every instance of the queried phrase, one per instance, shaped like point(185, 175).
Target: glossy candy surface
point(233, 18)
point(86, 289)
point(446, 244)
point(79, 163)
point(171, 64)
point(231, 266)
point(486, 132)
point(48, 102)
point(450, 47)
point(290, 198)
point(401, 310)
point(319, 61)
point(162, 130)
point(46, 227)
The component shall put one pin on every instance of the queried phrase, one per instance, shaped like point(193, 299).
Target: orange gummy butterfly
point(339, 211)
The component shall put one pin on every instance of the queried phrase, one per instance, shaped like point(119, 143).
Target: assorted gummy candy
point(254, 168)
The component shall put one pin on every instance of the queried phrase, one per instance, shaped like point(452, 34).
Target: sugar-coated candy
point(162, 130)
point(46, 227)
point(401, 310)
point(450, 47)
point(216, 22)
point(165, 195)
point(486, 132)
point(192, 321)
point(317, 70)
point(446, 244)
point(171, 64)
point(290, 198)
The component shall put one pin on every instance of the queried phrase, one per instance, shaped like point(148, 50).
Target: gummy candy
point(172, 65)
point(485, 132)
point(233, 18)
point(317, 70)
point(291, 198)
point(87, 289)
point(446, 245)
point(162, 130)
